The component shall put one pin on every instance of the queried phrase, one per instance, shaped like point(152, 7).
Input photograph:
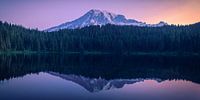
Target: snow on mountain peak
point(104, 12)
point(101, 17)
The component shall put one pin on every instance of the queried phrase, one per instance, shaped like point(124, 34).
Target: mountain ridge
point(102, 17)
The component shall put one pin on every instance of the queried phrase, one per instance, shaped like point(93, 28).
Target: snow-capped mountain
point(98, 84)
point(98, 17)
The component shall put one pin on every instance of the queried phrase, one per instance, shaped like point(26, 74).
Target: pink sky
point(43, 14)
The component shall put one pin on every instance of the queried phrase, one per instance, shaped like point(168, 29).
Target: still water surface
point(99, 77)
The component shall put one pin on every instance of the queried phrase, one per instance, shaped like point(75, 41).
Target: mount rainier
point(99, 17)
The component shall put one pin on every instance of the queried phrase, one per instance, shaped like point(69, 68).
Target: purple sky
point(43, 14)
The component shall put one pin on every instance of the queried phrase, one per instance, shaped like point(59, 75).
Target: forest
point(108, 38)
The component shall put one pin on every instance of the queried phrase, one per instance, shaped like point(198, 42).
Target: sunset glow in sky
point(43, 14)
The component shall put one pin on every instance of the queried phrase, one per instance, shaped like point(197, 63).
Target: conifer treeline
point(108, 38)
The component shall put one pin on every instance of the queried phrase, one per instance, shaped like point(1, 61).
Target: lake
point(99, 77)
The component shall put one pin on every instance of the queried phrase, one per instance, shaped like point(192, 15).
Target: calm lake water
point(99, 77)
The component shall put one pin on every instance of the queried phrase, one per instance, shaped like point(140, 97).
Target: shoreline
point(103, 53)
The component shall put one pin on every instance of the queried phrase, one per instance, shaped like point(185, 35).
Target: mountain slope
point(98, 17)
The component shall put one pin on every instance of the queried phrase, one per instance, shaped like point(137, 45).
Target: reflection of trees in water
point(105, 66)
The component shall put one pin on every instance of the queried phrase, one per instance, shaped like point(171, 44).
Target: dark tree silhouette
point(108, 38)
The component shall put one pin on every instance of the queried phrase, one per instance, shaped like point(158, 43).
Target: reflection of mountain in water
point(96, 84)
point(108, 67)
